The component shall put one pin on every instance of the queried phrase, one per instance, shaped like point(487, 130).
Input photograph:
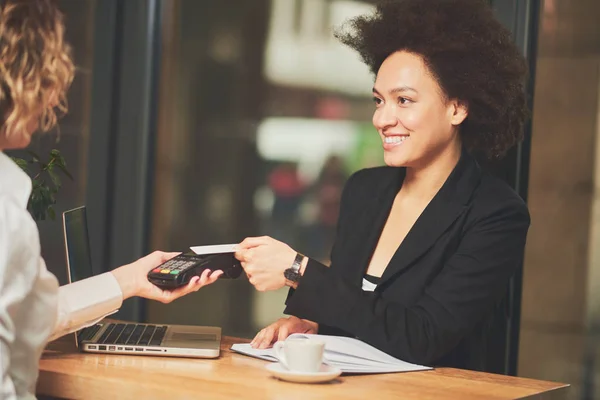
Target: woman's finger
point(257, 339)
point(203, 278)
point(182, 291)
point(250, 242)
point(168, 256)
point(267, 338)
point(241, 254)
point(212, 278)
point(284, 332)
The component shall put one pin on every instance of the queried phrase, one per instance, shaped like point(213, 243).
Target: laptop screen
point(77, 244)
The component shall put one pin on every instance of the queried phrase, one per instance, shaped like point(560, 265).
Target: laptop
point(123, 337)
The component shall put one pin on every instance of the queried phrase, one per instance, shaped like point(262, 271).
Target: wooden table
point(67, 373)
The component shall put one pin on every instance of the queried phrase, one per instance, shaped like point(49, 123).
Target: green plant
point(45, 181)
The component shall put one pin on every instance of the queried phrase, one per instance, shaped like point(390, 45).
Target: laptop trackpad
point(178, 338)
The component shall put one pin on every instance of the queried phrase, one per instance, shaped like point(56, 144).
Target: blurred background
point(203, 122)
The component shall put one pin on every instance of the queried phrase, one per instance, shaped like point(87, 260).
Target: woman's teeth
point(394, 139)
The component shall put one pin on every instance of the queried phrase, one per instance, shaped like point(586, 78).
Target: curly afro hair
point(470, 54)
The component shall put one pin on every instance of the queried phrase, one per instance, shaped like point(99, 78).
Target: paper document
point(214, 249)
point(348, 354)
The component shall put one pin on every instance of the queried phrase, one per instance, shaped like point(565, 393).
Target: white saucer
point(326, 374)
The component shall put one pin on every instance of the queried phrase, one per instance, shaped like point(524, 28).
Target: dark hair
point(470, 54)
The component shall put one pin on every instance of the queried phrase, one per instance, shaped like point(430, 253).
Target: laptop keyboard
point(88, 333)
point(133, 334)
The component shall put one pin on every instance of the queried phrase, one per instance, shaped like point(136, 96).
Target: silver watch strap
point(298, 262)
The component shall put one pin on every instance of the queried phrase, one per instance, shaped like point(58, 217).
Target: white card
point(214, 249)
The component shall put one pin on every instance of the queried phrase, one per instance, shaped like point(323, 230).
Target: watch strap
point(298, 262)
point(292, 274)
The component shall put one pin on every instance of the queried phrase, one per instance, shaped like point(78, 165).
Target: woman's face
point(416, 122)
point(21, 139)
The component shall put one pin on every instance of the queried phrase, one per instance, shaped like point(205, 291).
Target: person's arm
point(85, 302)
point(472, 280)
point(345, 201)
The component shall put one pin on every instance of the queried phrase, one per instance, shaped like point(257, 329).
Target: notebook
point(350, 355)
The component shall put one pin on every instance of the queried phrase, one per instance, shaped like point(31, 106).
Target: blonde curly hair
point(36, 69)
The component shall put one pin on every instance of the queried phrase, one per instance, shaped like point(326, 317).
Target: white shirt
point(368, 286)
point(33, 309)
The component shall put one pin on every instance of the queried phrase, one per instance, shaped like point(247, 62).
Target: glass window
point(263, 116)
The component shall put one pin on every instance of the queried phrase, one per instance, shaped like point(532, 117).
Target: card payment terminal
point(178, 271)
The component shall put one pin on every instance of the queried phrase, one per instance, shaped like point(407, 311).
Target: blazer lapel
point(369, 225)
point(440, 213)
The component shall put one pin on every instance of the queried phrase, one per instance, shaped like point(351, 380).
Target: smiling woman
point(425, 246)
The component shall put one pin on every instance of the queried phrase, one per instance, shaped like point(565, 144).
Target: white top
point(33, 309)
point(368, 286)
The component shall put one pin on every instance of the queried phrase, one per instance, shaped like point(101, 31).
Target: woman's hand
point(264, 260)
point(281, 329)
point(133, 279)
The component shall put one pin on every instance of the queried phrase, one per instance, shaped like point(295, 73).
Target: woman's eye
point(404, 100)
point(376, 100)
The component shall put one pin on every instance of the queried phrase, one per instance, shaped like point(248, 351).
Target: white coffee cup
point(300, 354)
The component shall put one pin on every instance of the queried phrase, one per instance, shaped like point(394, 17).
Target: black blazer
point(436, 296)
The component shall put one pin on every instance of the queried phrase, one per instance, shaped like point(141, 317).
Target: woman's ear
point(460, 110)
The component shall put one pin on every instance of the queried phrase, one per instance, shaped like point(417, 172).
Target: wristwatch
point(293, 273)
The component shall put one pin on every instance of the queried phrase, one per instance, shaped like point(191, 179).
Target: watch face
point(291, 275)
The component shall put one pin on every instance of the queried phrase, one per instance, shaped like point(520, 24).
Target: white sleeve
point(9, 299)
point(85, 302)
point(18, 267)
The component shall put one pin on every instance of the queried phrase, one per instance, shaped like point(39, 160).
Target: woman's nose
point(385, 117)
point(53, 100)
